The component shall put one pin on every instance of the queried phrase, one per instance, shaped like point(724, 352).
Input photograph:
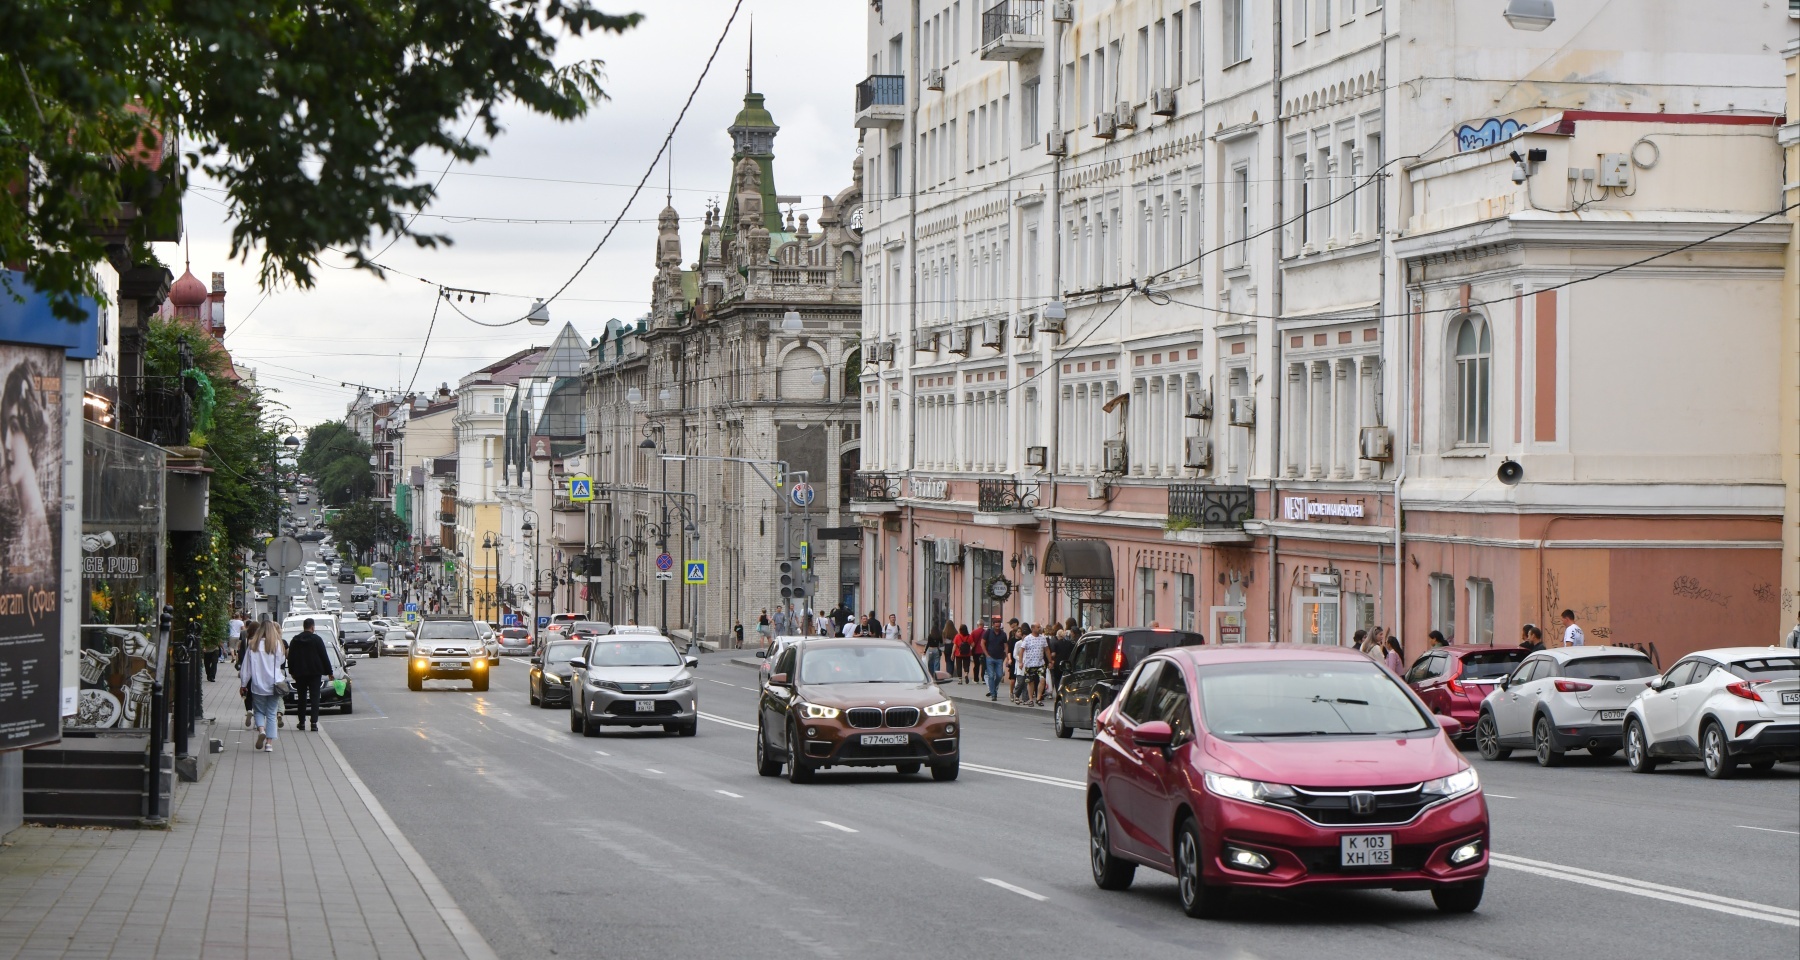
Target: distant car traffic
point(396, 639)
point(1454, 680)
point(1099, 665)
point(1281, 767)
point(770, 656)
point(1721, 707)
point(1568, 698)
point(515, 641)
point(447, 648)
point(548, 685)
point(357, 637)
point(856, 702)
point(633, 681)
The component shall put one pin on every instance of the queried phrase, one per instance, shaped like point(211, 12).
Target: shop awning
point(1079, 560)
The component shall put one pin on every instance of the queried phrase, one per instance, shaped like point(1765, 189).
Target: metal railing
point(881, 89)
point(878, 487)
point(1014, 17)
point(155, 410)
point(1005, 496)
point(1209, 506)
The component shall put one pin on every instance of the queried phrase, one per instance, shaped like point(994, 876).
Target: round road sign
point(665, 562)
point(284, 554)
point(802, 494)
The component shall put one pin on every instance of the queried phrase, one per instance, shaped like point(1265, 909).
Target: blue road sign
point(543, 621)
point(696, 573)
point(581, 489)
point(665, 562)
point(802, 494)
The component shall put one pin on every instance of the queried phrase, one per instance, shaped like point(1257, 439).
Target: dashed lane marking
point(734, 796)
point(1027, 777)
point(741, 725)
point(1499, 796)
point(1021, 891)
point(1791, 833)
point(655, 771)
point(1654, 891)
point(839, 826)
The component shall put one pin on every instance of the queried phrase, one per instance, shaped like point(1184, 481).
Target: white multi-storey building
point(1178, 306)
point(482, 400)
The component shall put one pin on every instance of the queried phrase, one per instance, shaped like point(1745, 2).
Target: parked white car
point(1569, 698)
point(1720, 707)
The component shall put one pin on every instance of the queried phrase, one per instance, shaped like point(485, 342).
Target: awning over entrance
point(1079, 560)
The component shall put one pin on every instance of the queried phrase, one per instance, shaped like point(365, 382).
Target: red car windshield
point(1306, 698)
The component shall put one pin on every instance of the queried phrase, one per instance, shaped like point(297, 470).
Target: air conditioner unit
point(1022, 329)
point(993, 333)
point(960, 339)
point(1106, 125)
point(1199, 453)
point(1376, 443)
point(1063, 11)
point(1162, 101)
point(1056, 143)
point(1054, 318)
point(1243, 411)
point(1124, 116)
point(1098, 488)
point(1113, 451)
point(883, 352)
point(1198, 405)
point(1037, 456)
point(925, 342)
point(935, 80)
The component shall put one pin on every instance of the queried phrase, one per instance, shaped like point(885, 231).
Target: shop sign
point(930, 489)
point(1300, 508)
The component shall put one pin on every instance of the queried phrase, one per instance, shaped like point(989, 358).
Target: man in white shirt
point(892, 629)
point(1572, 633)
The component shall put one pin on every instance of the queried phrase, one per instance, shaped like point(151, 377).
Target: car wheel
point(1602, 752)
point(1458, 897)
point(1063, 730)
point(946, 771)
point(1637, 749)
point(375, 652)
point(799, 771)
point(346, 706)
point(1198, 899)
point(574, 719)
point(907, 769)
point(764, 765)
point(1110, 873)
point(690, 728)
point(1547, 754)
point(1487, 739)
point(1713, 753)
point(531, 695)
point(479, 685)
point(588, 727)
point(415, 682)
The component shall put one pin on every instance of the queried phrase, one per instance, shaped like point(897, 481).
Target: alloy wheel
point(1487, 739)
point(1716, 758)
point(1187, 868)
point(1547, 754)
point(1098, 841)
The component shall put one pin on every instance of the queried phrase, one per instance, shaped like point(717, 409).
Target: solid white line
point(474, 946)
point(1021, 891)
point(1794, 833)
point(1654, 891)
point(734, 796)
point(751, 689)
point(1499, 796)
point(655, 771)
point(719, 682)
point(1038, 739)
point(838, 826)
point(741, 725)
point(1028, 777)
point(603, 753)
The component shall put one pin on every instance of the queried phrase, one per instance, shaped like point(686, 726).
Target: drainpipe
point(1404, 406)
point(1052, 374)
point(913, 86)
point(1279, 370)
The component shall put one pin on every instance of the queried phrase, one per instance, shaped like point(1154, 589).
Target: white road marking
point(734, 796)
point(654, 770)
point(1499, 796)
point(1038, 739)
point(1793, 833)
point(751, 689)
point(719, 682)
point(1021, 891)
point(603, 753)
point(1022, 775)
point(741, 725)
point(839, 826)
point(1655, 891)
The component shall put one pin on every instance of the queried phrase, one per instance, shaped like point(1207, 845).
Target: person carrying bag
point(264, 676)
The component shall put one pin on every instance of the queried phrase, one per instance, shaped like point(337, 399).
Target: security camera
point(1520, 172)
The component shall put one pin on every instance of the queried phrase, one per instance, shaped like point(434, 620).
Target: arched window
point(1474, 352)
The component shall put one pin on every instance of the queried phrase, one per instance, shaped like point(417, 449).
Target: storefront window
point(1146, 596)
point(989, 564)
point(1317, 620)
point(937, 593)
point(1185, 581)
point(1443, 605)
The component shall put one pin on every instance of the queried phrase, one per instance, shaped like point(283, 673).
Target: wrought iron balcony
point(881, 101)
point(1012, 30)
point(1209, 506)
point(1005, 496)
point(874, 487)
point(156, 410)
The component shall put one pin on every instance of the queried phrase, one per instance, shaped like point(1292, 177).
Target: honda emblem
point(1362, 803)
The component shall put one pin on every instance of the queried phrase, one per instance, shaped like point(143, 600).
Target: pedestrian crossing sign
point(696, 573)
point(581, 489)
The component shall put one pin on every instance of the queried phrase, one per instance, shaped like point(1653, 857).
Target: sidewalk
point(271, 855)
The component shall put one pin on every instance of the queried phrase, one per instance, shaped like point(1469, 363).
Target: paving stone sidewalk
point(271, 855)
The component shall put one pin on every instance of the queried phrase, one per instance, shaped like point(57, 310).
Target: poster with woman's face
point(31, 455)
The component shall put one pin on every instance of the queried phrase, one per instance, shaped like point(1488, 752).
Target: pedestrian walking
point(764, 628)
point(1394, 661)
point(934, 648)
point(1531, 638)
point(993, 649)
point(1033, 656)
point(781, 623)
point(260, 674)
point(1374, 646)
point(891, 630)
point(1437, 638)
point(309, 665)
point(737, 631)
point(850, 628)
point(1062, 650)
point(1573, 635)
point(234, 633)
point(978, 652)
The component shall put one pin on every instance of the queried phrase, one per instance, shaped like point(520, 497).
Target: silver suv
point(1721, 707)
point(1569, 698)
point(634, 680)
point(447, 648)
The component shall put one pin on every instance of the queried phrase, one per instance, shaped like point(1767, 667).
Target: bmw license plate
point(1790, 696)
point(885, 740)
point(1367, 849)
point(1612, 714)
point(646, 706)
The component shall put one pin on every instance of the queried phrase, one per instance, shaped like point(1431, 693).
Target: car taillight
point(1746, 689)
point(1456, 669)
point(1119, 656)
point(1572, 686)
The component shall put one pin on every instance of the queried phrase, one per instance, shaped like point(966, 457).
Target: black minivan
point(1099, 666)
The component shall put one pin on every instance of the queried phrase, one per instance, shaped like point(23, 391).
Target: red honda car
point(1279, 766)
point(1454, 680)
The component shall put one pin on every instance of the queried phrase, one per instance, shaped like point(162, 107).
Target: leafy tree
point(338, 461)
point(310, 112)
point(363, 524)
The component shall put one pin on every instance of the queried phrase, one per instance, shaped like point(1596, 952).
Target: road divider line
point(734, 796)
point(1028, 777)
point(1654, 891)
point(741, 725)
point(719, 682)
point(1021, 891)
point(839, 826)
point(1499, 796)
point(603, 753)
point(655, 771)
point(1791, 833)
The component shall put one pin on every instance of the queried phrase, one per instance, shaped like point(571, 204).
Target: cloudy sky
point(356, 328)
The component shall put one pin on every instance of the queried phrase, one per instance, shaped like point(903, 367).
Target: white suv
point(1721, 707)
point(1569, 698)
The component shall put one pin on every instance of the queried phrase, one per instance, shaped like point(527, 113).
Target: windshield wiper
point(1289, 733)
point(1360, 703)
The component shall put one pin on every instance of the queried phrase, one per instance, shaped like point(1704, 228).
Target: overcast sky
point(353, 327)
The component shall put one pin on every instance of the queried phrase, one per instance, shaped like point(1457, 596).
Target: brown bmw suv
point(854, 702)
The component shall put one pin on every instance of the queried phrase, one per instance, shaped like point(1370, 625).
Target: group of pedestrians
point(1027, 658)
point(270, 667)
point(1382, 647)
point(839, 622)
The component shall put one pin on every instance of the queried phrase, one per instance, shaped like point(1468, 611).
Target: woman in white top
point(264, 655)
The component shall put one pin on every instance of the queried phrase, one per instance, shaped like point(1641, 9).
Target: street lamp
point(489, 542)
point(1530, 15)
point(529, 530)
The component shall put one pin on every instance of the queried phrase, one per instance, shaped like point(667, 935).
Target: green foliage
point(363, 524)
point(338, 461)
point(310, 114)
point(1177, 524)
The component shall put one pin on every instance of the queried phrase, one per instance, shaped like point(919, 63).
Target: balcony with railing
point(881, 101)
point(874, 492)
point(1006, 502)
point(1208, 506)
point(155, 410)
point(1012, 30)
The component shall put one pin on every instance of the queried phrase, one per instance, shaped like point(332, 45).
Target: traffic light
point(792, 587)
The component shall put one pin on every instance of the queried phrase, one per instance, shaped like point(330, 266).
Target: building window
point(1474, 350)
point(499, 404)
point(1481, 611)
point(1186, 583)
point(1146, 596)
point(1239, 251)
point(1239, 22)
point(1028, 112)
point(988, 565)
point(1443, 605)
point(894, 170)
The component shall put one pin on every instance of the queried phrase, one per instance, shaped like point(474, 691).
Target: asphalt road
point(642, 845)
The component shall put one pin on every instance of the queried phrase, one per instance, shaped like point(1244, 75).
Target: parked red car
point(1454, 680)
point(1279, 766)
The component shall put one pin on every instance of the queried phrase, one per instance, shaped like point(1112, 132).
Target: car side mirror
point(537, 661)
point(942, 675)
point(1451, 725)
point(778, 679)
point(349, 663)
point(1660, 684)
point(692, 661)
point(762, 654)
point(578, 663)
point(1504, 683)
point(1153, 734)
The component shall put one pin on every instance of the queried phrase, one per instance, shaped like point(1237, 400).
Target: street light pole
point(529, 529)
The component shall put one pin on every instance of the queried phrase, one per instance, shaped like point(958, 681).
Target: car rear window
point(1490, 664)
point(1142, 643)
point(1768, 668)
point(1609, 668)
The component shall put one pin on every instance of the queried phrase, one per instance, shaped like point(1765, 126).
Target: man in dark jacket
point(310, 665)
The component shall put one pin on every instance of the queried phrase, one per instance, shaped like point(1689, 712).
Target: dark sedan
point(330, 700)
point(549, 683)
